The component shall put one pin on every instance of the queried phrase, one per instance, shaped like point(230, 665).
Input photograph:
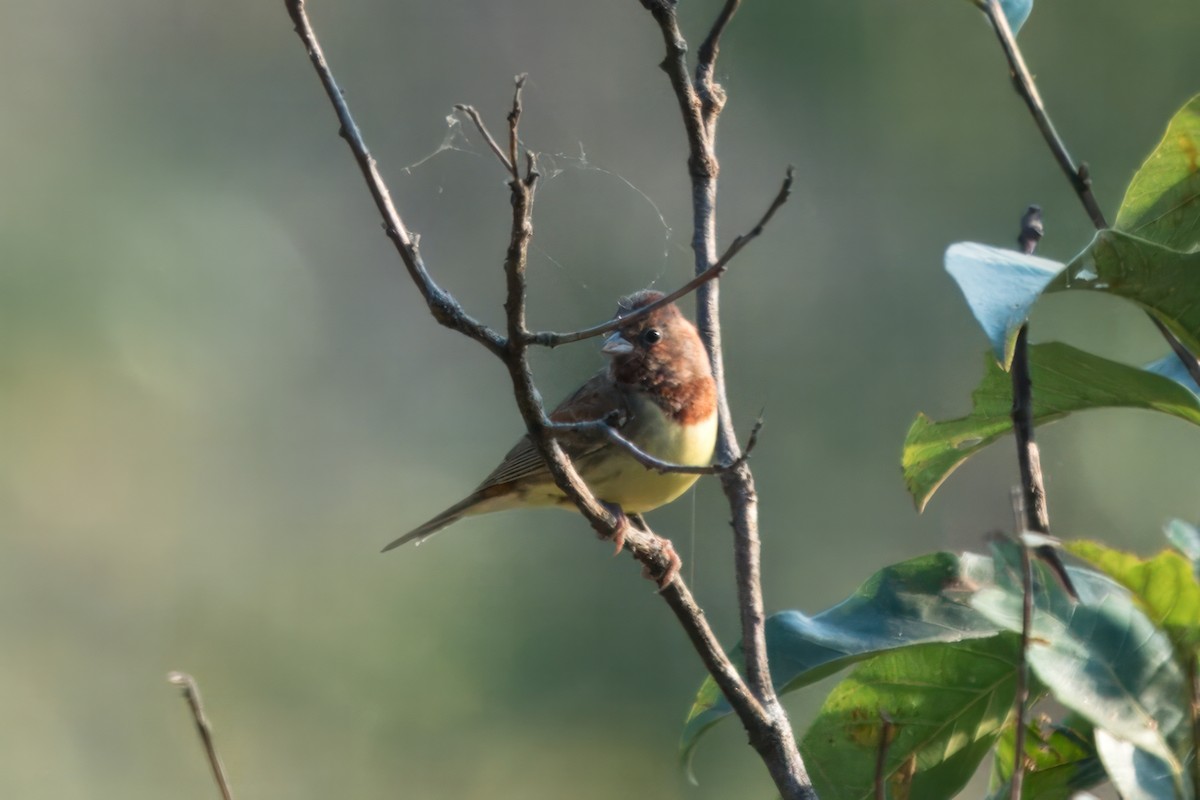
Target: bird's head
point(660, 351)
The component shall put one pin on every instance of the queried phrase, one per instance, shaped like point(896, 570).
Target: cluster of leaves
point(937, 640)
point(937, 648)
point(1151, 257)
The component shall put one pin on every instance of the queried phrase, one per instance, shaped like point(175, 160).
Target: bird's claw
point(667, 550)
point(673, 565)
point(622, 526)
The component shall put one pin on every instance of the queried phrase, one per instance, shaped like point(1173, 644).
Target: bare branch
point(1033, 489)
point(1023, 82)
point(710, 92)
point(552, 339)
point(1028, 457)
point(442, 305)
point(514, 121)
point(648, 461)
point(1021, 694)
point(487, 136)
point(191, 693)
point(771, 735)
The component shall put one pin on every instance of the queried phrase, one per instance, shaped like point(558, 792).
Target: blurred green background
point(220, 395)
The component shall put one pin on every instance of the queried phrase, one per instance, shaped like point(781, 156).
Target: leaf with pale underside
point(1000, 286)
point(1136, 774)
point(1100, 656)
point(1065, 379)
point(1162, 202)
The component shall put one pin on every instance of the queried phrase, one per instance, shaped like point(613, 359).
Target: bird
point(657, 391)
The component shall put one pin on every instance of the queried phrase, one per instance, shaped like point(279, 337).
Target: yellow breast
point(616, 477)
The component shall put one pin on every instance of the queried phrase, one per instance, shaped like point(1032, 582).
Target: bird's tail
point(448, 517)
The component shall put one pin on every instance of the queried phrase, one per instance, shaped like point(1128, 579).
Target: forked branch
point(765, 721)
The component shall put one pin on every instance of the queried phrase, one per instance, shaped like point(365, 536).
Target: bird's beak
point(616, 345)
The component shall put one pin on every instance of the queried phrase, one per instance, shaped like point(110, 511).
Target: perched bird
point(657, 391)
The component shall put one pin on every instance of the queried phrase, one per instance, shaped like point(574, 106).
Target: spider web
point(552, 165)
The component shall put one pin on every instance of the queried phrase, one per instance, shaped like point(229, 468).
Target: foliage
point(1120, 658)
point(935, 642)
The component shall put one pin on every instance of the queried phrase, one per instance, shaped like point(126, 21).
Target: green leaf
point(947, 704)
point(1060, 760)
point(918, 601)
point(1100, 657)
point(1065, 380)
point(1162, 203)
point(1000, 286)
point(1163, 281)
point(1165, 585)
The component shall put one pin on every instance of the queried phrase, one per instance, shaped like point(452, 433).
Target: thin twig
point(514, 121)
point(552, 339)
point(1021, 694)
point(191, 693)
point(487, 136)
point(700, 104)
point(1023, 82)
point(1078, 176)
point(1034, 500)
point(886, 727)
point(442, 305)
point(1029, 459)
point(651, 462)
point(652, 551)
point(710, 92)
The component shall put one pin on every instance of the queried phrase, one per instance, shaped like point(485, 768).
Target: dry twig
point(191, 693)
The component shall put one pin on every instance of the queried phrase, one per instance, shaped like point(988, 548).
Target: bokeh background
point(220, 395)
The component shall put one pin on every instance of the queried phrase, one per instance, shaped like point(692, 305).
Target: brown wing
point(599, 398)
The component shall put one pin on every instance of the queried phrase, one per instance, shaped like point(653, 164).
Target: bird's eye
point(652, 336)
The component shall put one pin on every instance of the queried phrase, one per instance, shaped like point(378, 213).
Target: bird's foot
point(667, 550)
point(622, 527)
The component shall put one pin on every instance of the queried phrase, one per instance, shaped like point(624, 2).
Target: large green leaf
point(918, 601)
point(1161, 280)
point(1099, 656)
point(947, 703)
point(1162, 203)
point(1064, 379)
point(1059, 760)
point(1165, 586)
